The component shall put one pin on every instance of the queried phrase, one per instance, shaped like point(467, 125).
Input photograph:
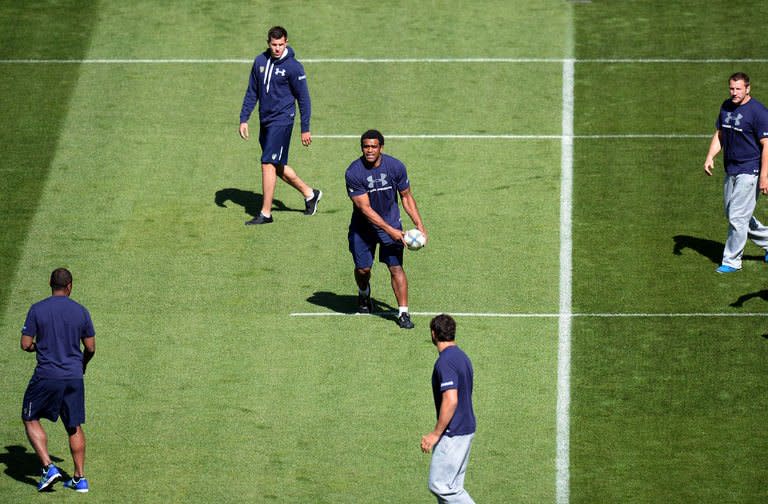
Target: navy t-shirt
point(383, 185)
point(58, 324)
point(453, 370)
point(741, 128)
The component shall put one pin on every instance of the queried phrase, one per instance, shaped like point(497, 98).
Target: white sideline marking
point(461, 136)
point(249, 61)
point(562, 461)
point(541, 315)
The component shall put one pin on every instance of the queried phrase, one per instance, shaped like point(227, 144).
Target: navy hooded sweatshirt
point(277, 85)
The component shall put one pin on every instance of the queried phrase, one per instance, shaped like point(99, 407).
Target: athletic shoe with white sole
point(311, 205)
point(49, 477)
point(77, 484)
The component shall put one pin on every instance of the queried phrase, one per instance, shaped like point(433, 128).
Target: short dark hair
point(372, 134)
point(60, 278)
point(277, 32)
point(739, 76)
point(444, 327)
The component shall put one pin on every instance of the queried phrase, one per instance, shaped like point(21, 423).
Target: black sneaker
point(404, 321)
point(259, 219)
point(364, 304)
point(311, 208)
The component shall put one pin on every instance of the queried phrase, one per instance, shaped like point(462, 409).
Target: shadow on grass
point(763, 294)
point(711, 249)
point(22, 465)
point(346, 303)
point(250, 201)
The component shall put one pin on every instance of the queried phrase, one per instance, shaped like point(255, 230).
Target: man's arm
point(714, 148)
point(89, 350)
point(249, 102)
point(300, 91)
point(409, 204)
point(447, 409)
point(763, 181)
point(363, 203)
point(28, 343)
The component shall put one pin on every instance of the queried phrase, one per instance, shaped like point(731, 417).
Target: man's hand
point(396, 234)
point(306, 137)
point(709, 164)
point(428, 441)
point(763, 184)
point(244, 131)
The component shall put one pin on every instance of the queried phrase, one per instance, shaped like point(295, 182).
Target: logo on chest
point(729, 116)
point(377, 182)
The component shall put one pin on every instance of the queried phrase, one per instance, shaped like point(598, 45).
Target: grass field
point(208, 387)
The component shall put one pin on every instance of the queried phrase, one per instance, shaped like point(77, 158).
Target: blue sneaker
point(726, 269)
point(766, 256)
point(81, 485)
point(49, 477)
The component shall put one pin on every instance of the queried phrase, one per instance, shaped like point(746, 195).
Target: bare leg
point(363, 278)
point(399, 284)
point(268, 181)
point(77, 449)
point(290, 177)
point(39, 440)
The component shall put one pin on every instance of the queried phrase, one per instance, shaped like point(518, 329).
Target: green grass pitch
point(207, 387)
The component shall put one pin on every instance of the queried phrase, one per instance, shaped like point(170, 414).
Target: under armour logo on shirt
point(279, 71)
point(730, 117)
point(382, 181)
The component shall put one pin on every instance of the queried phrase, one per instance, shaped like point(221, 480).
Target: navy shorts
point(363, 247)
point(53, 397)
point(275, 141)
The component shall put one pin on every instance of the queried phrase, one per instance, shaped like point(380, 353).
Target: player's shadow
point(739, 303)
point(249, 200)
point(345, 303)
point(22, 465)
point(711, 249)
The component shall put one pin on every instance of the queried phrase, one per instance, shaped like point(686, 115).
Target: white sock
point(401, 310)
point(267, 215)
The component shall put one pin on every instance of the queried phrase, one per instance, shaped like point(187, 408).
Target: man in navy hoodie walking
point(277, 82)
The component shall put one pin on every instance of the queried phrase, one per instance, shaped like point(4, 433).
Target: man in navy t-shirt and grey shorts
point(54, 329)
point(742, 134)
point(451, 439)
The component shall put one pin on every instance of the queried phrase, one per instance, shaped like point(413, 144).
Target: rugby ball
point(415, 239)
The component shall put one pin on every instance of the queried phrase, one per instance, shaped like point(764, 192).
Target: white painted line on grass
point(562, 461)
point(670, 315)
point(671, 60)
point(249, 61)
point(463, 136)
point(427, 314)
point(541, 315)
point(450, 136)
